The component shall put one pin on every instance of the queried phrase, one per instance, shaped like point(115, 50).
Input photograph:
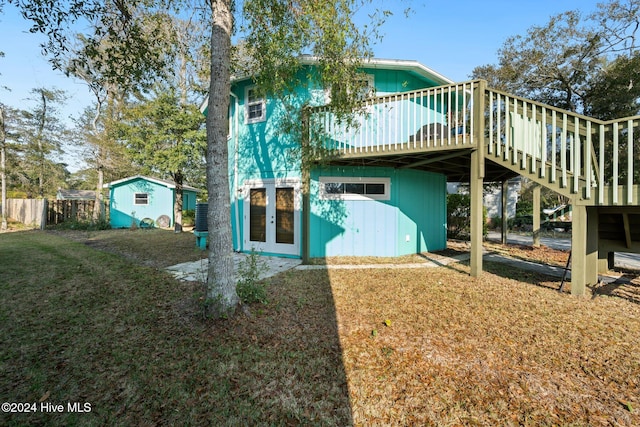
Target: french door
point(271, 216)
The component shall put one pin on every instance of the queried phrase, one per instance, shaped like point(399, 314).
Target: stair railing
point(596, 160)
point(575, 151)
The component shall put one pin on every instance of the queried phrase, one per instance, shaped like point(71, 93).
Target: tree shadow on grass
point(132, 342)
point(283, 360)
point(300, 377)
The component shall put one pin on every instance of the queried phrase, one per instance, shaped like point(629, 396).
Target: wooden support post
point(476, 178)
point(505, 214)
point(592, 246)
point(536, 215)
point(475, 190)
point(611, 260)
point(603, 261)
point(579, 250)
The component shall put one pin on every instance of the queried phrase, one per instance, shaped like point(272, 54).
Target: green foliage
point(495, 222)
point(459, 217)
point(249, 287)
point(122, 46)
point(35, 137)
point(586, 64)
point(189, 217)
point(101, 224)
point(548, 198)
point(313, 43)
point(165, 136)
point(615, 92)
point(524, 207)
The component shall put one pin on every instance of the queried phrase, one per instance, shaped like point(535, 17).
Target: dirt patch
point(154, 248)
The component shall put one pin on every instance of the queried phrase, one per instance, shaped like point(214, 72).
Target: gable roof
point(376, 63)
point(163, 182)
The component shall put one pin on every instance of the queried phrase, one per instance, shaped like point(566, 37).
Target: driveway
point(622, 259)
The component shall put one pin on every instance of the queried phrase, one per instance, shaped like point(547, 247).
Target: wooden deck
point(472, 133)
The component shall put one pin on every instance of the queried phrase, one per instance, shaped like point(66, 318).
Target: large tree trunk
point(221, 285)
point(177, 206)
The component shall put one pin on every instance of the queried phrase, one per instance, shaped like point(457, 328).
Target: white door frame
point(270, 245)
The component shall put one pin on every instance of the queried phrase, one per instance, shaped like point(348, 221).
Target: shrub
point(87, 225)
point(250, 288)
point(189, 217)
point(459, 217)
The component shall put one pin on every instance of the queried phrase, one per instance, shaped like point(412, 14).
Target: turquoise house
point(138, 198)
point(354, 210)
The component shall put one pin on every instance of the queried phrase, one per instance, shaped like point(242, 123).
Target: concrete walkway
point(197, 271)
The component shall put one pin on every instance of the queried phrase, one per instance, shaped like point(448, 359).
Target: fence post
point(43, 214)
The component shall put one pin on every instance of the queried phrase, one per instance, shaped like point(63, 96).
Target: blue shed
point(139, 197)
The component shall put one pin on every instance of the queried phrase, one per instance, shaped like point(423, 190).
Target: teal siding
point(417, 209)
point(421, 198)
point(259, 151)
point(264, 150)
point(188, 200)
point(393, 81)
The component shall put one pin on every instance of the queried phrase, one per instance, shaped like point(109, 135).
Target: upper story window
point(366, 86)
point(141, 199)
point(255, 104)
point(363, 86)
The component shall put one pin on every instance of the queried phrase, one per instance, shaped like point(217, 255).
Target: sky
point(451, 38)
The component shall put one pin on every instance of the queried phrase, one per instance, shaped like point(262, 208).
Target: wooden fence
point(59, 211)
point(31, 212)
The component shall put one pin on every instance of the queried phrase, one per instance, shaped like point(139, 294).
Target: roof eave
point(148, 178)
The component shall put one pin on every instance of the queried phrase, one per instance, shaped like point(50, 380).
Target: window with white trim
point(354, 188)
point(364, 84)
point(255, 106)
point(141, 198)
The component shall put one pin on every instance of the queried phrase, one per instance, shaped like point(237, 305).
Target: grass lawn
point(91, 317)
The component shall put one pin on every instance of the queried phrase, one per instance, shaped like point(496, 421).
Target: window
point(255, 106)
point(364, 85)
point(354, 188)
point(141, 199)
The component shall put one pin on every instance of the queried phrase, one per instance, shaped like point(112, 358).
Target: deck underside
point(454, 163)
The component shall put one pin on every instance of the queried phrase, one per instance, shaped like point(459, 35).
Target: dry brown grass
point(542, 254)
point(489, 351)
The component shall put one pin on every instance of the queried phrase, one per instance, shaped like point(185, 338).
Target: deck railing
point(584, 155)
point(580, 153)
point(434, 118)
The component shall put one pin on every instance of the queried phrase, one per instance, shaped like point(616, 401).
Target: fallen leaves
point(489, 352)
